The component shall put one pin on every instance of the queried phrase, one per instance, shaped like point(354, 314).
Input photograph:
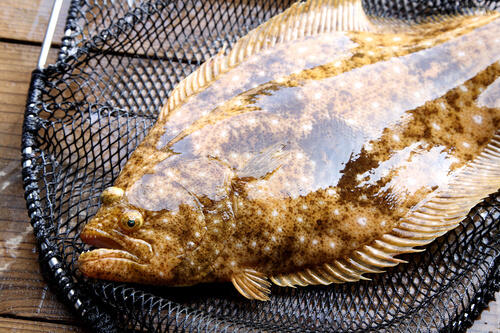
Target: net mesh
point(85, 115)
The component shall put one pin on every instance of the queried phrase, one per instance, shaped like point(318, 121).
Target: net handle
point(49, 33)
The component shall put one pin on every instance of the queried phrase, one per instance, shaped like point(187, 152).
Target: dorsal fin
point(300, 20)
point(435, 216)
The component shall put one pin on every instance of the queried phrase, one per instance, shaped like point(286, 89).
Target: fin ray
point(252, 284)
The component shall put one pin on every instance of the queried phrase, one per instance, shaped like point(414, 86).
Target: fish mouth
point(117, 247)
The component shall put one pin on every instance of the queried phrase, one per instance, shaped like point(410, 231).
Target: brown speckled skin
point(304, 153)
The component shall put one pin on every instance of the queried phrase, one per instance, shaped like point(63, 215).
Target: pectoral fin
point(252, 284)
point(265, 162)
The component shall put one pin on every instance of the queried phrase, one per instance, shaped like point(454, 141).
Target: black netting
point(88, 112)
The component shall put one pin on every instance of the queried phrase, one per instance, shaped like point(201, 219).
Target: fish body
point(315, 151)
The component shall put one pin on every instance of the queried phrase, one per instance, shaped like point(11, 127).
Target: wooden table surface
point(26, 302)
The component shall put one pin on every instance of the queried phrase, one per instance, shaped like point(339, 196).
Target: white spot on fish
point(170, 174)
point(477, 119)
point(359, 177)
point(233, 225)
point(321, 202)
point(362, 221)
point(436, 126)
point(267, 249)
point(336, 212)
point(370, 53)
point(238, 245)
point(337, 64)
point(396, 39)
point(190, 244)
point(368, 147)
point(192, 263)
point(331, 191)
point(465, 144)
point(332, 245)
point(369, 39)
point(167, 237)
point(273, 239)
point(395, 137)
point(161, 274)
point(300, 155)
point(363, 197)
point(382, 223)
point(442, 105)
point(300, 219)
point(317, 95)
point(302, 239)
point(304, 206)
point(315, 241)
point(223, 133)
point(197, 234)
point(279, 229)
point(233, 263)
point(307, 127)
point(463, 88)
point(216, 221)
point(280, 80)
point(274, 213)
point(259, 212)
point(254, 244)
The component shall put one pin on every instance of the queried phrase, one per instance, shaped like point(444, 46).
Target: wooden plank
point(23, 292)
point(27, 20)
point(489, 321)
point(21, 325)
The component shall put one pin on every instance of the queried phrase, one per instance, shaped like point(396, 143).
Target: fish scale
point(318, 148)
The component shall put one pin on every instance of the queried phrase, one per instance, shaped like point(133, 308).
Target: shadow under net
point(88, 112)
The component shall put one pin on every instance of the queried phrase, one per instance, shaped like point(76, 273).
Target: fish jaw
point(111, 261)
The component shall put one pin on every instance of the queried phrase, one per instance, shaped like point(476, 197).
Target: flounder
point(318, 148)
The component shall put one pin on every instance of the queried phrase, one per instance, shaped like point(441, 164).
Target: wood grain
point(23, 292)
point(26, 20)
point(19, 325)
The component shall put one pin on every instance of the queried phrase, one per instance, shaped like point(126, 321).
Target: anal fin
point(252, 284)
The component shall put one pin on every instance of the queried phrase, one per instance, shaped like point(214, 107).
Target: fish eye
point(132, 220)
point(111, 194)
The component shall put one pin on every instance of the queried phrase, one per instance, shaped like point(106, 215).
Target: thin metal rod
point(49, 33)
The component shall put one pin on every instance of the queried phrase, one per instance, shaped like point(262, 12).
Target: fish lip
point(108, 254)
point(109, 247)
point(99, 238)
